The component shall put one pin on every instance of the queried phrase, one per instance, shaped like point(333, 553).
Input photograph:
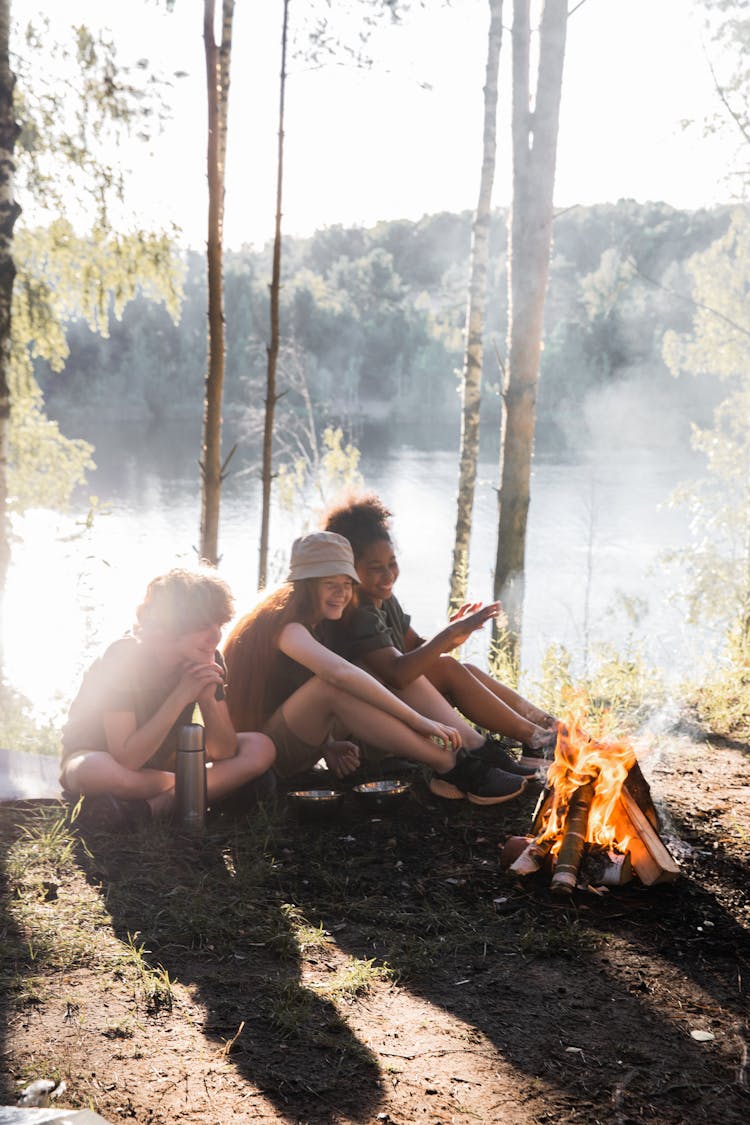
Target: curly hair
point(361, 517)
point(184, 601)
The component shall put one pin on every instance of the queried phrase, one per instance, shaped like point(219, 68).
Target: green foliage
point(319, 474)
point(44, 465)
point(501, 662)
point(73, 101)
point(355, 978)
point(63, 275)
point(722, 699)
point(717, 565)
point(620, 688)
point(153, 982)
point(555, 682)
point(18, 727)
point(375, 319)
point(623, 686)
point(728, 24)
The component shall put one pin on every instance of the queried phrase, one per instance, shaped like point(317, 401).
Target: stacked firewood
point(569, 855)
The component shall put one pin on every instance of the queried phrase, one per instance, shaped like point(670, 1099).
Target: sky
point(403, 139)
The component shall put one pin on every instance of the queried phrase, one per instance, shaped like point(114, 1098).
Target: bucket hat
point(321, 555)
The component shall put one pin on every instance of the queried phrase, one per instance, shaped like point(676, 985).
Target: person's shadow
point(210, 914)
point(540, 977)
point(229, 916)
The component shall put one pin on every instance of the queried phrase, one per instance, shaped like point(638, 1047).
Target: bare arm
point(297, 643)
point(132, 746)
point(401, 668)
point(221, 737)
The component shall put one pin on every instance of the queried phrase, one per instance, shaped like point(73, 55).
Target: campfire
point(595, 823)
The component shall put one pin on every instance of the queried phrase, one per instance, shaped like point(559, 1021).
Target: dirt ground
point(383, 968)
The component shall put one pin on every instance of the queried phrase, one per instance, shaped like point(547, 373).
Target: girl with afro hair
point(382, 639)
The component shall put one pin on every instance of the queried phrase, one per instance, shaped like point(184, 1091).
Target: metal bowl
point(316, 802)
point(382, 794)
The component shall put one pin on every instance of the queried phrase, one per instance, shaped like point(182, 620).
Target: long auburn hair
point(250, 649)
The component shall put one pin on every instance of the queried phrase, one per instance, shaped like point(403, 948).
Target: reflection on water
point(594, 538)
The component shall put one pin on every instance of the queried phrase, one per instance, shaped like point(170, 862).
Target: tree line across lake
point(373, 323)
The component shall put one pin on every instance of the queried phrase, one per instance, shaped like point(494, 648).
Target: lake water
point(595, 536)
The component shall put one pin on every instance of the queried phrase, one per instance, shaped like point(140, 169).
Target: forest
point(374, 324)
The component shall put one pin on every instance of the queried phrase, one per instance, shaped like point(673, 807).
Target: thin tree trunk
point(273, 346)
point(9, 212)
point(217, 85)
point(534, 157)
point(472, 372)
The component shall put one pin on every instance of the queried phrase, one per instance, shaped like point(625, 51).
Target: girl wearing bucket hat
point(285, 679)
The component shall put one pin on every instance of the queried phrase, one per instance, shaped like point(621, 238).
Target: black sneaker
point(543, 753)
point(473, 778)
point(492, 753)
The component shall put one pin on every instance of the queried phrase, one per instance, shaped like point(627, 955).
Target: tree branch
point(725, 102)
point(688, 300)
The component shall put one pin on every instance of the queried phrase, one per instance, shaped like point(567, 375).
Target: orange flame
point(580, 759)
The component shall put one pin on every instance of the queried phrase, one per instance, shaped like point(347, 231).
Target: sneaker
point(543, 753)
point(473, 778)
point(495, 755)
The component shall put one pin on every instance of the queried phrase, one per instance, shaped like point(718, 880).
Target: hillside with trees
point(373, 321)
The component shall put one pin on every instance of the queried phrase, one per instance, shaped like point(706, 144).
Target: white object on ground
point(25, 775)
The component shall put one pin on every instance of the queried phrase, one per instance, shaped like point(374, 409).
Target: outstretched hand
point(463, 610)
point(468, 618)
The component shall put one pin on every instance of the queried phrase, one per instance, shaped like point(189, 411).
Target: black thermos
point(190, 778)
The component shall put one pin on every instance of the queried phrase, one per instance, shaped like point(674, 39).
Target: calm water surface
point(593, 573)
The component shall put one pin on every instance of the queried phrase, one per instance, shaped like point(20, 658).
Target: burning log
point(532, 858)
point(595, 816)
point(542, 812)
point(512, 848)
point(638, 788)
point(571, 849)
point(651, 859)
point(604, 867)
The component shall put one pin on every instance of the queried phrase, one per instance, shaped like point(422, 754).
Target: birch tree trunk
point(9, 212)
point(534, 156)
point(217, 85)
point(471, 387)
point(273, 346)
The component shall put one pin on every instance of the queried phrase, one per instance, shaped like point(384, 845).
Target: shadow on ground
point(596, 997)
point(285, 934)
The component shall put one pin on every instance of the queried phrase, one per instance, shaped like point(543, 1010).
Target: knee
point(257, 750)
point(82, 774)
point(450, 669)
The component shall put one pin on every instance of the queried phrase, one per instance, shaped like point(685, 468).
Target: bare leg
point(488, 708)
point(513, 699)
point(424, 697)
point(255, 754)
point(94, 772)
point(313, 709)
